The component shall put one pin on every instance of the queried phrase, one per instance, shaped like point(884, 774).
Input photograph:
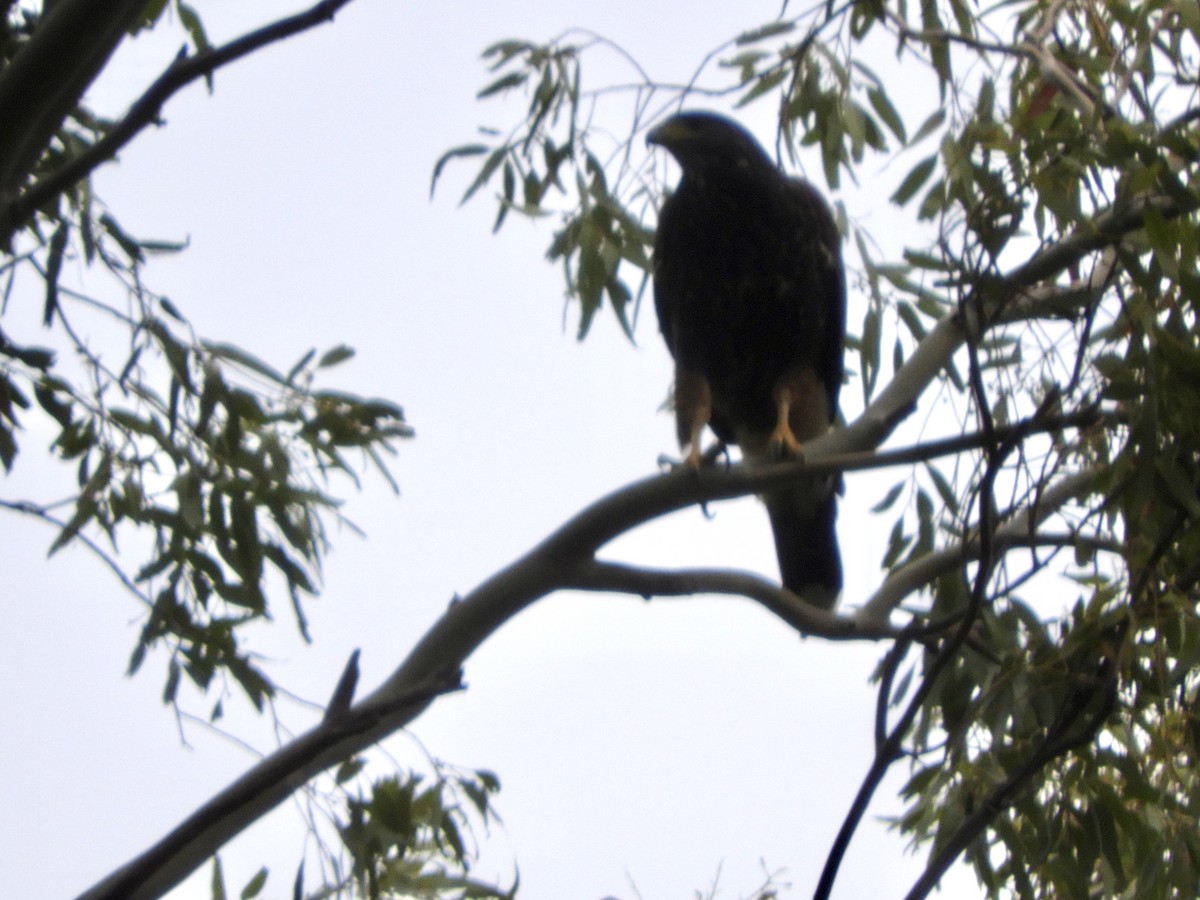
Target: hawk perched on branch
point(751, 299)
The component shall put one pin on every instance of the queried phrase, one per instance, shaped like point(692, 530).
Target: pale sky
point(643, 747)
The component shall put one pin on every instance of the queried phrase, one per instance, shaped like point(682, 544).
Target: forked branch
point(1019, 529)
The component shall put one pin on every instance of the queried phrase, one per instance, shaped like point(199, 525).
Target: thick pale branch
point(1049, 300)
point(899, 398)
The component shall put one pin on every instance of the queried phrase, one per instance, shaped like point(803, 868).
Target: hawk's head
point(705, 141)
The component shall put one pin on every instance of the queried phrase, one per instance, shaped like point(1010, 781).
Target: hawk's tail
point(810, 563)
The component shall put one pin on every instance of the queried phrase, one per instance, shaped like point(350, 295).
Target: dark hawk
point(751, 299)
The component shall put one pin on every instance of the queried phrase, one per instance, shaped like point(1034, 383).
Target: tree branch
point(47, 76)
point(145, 111)
point(647, 583)
point(37, 511)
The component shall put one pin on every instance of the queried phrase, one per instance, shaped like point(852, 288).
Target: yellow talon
point(782, 442)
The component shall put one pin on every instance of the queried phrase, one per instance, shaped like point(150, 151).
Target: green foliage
point(222, 461)
point(221, 467)
point(403, 838)
point(409, 840)
point(599, 235)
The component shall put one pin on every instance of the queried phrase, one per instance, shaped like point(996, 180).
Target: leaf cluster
point(404, 836)
point(407, 839)
point(599, 236)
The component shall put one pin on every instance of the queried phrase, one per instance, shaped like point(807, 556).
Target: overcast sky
point(645, 749)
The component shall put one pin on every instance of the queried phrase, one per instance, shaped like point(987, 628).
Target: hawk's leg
point(802, 412)
point(783, 441)
point(693, 409)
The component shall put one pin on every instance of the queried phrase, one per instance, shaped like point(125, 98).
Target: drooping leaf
point(914, 180)
point(889, 498)
point(54, 261)
point(255, 885)
point(331, 358)
point(763, 32)
point(882, 104)
point(503, 83)
point(464, 151)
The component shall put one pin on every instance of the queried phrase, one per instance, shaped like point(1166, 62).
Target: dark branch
point(146, 110)
point(890, 749)
point(43, 82)
point(37, 511)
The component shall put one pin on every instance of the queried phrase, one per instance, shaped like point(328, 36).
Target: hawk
point(751, 299)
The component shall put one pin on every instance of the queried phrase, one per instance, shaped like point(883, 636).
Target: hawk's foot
point(783, 444)
point(695, 460)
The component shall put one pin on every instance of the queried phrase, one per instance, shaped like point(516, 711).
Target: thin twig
point(37, 511)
